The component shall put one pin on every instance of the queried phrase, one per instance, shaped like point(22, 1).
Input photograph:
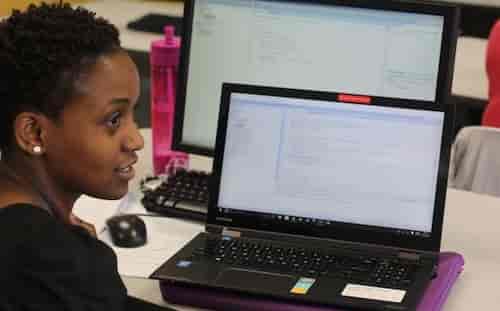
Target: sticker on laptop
point(302, 286)
point(374, 293)
point(184, 263)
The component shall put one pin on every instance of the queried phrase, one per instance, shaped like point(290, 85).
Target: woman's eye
point(114, 120)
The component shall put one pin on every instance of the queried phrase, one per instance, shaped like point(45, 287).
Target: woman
point(67, 97)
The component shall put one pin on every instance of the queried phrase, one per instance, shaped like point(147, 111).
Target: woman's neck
point(32, 182)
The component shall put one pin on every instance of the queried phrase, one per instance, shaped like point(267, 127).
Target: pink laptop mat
point(450, 266)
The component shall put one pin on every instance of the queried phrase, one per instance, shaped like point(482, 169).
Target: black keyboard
point(388, 272)
point(184, 194)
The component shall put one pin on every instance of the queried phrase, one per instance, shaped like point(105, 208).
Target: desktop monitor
point(379, 48)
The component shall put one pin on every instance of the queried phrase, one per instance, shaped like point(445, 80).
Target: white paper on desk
point(131, 204)
point(95, 211)
point(165, 237)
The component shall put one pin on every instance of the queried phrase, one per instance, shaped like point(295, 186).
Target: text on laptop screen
point(359, 164)
point(304, 46)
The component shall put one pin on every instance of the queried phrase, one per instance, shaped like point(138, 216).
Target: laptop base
point(450, 266)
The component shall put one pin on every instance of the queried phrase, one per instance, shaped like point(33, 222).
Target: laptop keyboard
point(384, 272)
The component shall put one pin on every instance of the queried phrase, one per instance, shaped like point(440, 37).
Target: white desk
point(469, 78)
point(470, 228)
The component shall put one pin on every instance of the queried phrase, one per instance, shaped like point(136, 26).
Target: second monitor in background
point(383, 49)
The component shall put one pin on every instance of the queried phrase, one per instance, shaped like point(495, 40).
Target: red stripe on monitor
point(356, 99)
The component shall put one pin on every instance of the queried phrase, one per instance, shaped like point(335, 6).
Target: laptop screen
point(316, 160)
point(329, 164)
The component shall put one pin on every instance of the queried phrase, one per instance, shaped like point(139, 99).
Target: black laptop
point(322, 198)
point(332, 197)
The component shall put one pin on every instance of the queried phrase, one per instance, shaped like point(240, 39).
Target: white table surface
point(469, 77)
point(470, 228)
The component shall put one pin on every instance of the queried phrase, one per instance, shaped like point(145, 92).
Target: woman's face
point(92, 148)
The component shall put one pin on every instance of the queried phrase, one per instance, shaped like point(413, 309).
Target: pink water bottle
point(164, 63)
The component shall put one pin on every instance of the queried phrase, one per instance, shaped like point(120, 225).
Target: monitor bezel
point(450, 13)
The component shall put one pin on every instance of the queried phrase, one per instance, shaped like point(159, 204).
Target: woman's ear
point(29, 132)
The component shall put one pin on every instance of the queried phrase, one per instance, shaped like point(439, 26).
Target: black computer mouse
point(127, 230)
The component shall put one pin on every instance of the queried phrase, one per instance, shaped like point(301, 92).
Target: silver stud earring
point(37, 149)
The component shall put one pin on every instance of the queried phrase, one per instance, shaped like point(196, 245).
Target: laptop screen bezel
point(350, 233)
point(344, 232)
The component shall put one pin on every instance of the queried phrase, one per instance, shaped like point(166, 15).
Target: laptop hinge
point(232, 233)
point(409, 256)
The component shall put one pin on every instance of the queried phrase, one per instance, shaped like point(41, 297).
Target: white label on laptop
point(374, 293)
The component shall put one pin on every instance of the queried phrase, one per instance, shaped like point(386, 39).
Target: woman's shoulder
point(19, 214)
point(38, 245)
point(25, 224)
point(24, 208)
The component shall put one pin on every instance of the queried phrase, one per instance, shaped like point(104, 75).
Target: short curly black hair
point(44, 50)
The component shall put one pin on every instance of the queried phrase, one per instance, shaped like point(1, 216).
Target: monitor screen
point(384, 49)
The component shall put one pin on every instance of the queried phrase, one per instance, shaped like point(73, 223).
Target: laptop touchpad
point(254, 280)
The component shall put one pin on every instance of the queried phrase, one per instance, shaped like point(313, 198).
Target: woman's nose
point(134, 141)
